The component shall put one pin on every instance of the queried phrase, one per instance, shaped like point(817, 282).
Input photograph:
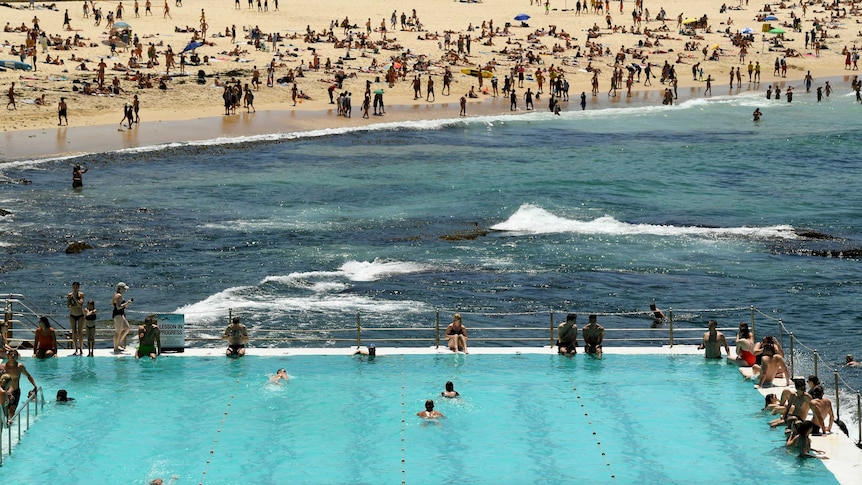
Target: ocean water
point(693, 206)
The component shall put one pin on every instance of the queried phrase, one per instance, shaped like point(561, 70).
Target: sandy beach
point(556, 40)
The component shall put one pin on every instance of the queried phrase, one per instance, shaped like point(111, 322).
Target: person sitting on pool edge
point(279, 375)
point(593, 335)
point(456, 332)
point(429, 412)
point(149, 338)
point(45, 343)
point(713, 340)
point(450, 390)
point(236, 335)
point(370, 351)
point(567, 336)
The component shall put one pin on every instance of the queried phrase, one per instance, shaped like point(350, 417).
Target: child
point(90, 322)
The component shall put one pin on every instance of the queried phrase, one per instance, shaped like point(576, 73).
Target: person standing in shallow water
point(713, 341)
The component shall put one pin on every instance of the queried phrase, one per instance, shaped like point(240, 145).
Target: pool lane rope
point(220, 426)
point(403, 425)
point(595, 435)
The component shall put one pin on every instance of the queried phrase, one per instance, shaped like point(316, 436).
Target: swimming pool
point(521, 419)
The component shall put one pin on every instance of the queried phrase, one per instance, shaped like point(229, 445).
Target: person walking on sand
point(11, 94)
point(167, 14)
point(62, 110)
point(708, 89)
point(463, 102)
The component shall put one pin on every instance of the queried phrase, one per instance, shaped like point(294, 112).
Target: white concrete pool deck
point(845, 459)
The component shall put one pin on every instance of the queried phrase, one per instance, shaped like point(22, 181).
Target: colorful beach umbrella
point(122, 25)
point(770, 17)
point(716, 46)
point(690, 20)
point(748, 30)
point(522, 17)
point(192, 46)
point(776, 31)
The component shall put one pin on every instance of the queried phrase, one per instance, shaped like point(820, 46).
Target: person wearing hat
point(149, 338)
point(236, 335)
point(121, 325)
point(370, 351)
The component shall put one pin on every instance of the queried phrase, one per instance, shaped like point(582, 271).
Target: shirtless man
point(798, 403)
point(457, 334)
point(567, 335)
point(713, 340)
point(822, 407)
point(75, 302)
point(15, 369)
point(593, 335)
point(429, 412)
point(149, 338)
point(279, 375)
point(236, 335)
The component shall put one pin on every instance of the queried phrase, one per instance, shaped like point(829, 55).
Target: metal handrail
point(38, 401)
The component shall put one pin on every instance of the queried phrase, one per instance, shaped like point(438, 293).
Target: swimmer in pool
point(279, 375)
point(429, 412)
point(450, 390)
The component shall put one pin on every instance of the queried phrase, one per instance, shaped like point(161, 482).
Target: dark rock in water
point(77, 247)
point(4, 212)
point(465, 235)
point(814, 235)
point(852, 253)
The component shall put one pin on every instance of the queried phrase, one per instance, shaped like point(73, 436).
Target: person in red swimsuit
point(744, 347)
point(45, 343)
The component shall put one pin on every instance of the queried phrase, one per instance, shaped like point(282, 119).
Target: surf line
point(220, 426)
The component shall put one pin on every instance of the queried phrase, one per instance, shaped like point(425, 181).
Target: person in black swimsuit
point(75, 302)
point(456, 332)
point(236, 335)
point(121, 325)
point(90, 317)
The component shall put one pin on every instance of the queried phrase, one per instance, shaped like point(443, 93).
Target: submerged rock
point(77, 247)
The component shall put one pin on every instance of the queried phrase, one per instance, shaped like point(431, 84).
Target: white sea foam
point(531, 219)
point(324, 293)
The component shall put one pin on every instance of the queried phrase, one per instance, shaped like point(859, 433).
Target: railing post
point(437, 330)
point(552, 329)
point(859, 416)
point(792, 358)
point(816, 358)
point(670, 324)
point(837, 397)
point(781, 332)
point(358, 330)
point(753, 335)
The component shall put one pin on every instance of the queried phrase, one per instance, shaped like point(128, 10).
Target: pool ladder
point(22, 417)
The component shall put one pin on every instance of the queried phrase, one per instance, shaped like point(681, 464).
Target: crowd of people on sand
point(524, 55)
point(802, 411)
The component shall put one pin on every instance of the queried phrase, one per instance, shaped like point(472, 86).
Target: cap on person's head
point(371, 346)
point(122, 285)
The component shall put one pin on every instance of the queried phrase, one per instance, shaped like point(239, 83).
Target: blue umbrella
point(747, 30)
point(522, 17)
point(122, 25)
point(770, 17)
point(192, 46)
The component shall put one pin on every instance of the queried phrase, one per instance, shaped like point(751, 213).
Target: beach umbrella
point(192, 46)
point(378, 91)
point(716, 46)
point(747, 30)
point(522, 17)
point(770, 17)
point(690, 20)
point(776, 31)
point(122, 25)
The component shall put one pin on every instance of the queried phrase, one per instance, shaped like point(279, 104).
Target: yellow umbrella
point(716, 46)
point(689, 20)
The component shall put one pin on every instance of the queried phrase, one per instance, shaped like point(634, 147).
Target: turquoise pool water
point(521, 419)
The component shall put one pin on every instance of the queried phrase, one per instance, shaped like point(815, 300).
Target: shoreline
point(280, 120)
